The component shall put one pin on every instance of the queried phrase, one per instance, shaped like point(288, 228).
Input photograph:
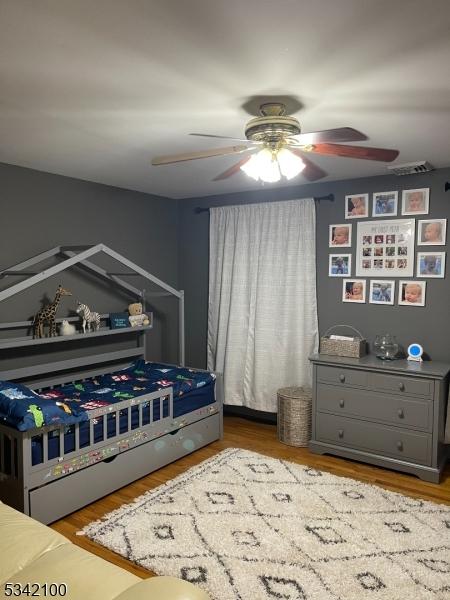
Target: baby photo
point(340, 265)
point(379, 239)
point(415, 202)
point(384, 204)
point(381, 292)
point(430, 265)
point(340, 235)
point(367, 239)
point(367, 264)
point(411, 293)
point(432, 233)
point(402, 263)
point(354, 290)
point(356, 206)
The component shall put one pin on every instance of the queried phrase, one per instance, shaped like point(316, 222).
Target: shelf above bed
point(29, 341)
point(66, 257)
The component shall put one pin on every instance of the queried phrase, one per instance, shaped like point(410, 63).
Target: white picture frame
point(340, 268)
point(350, 293)
point(388, 245)
point(431, 232)
point(382, 291)
point(385, 204)
point(411, 286)
point(416, 201)
point(356, 206)
point(340, 235)
point(430, 264)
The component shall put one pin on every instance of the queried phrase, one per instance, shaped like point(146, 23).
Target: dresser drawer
point(341, 376)
point(399, 384)
point(371, 437)
point(375, 406)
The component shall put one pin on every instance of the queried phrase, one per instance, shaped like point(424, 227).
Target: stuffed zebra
point(88, 317)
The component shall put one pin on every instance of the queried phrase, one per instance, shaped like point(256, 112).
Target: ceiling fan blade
point(311, 171)
point(174, 158)
point(225, 137)
point(382, 154)
point(232, 170)
point(343, 134)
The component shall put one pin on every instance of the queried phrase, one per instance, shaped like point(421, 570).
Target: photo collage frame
point(386, 248)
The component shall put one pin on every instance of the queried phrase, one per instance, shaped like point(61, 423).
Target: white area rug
point(244, 526)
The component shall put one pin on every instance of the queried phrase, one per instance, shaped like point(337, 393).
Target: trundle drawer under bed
point(52, 501)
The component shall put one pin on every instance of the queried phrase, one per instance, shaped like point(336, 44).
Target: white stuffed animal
point(67, 328)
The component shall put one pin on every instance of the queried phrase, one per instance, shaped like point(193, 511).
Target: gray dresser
point(391, 414)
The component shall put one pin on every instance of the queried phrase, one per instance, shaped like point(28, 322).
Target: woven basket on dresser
point(294, 416)
point(354, 348)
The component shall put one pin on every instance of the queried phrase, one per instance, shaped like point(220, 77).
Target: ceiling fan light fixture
point(262, 165)
point(271, 174)
point(251, 167)
point(290, 164)
point(269, 166)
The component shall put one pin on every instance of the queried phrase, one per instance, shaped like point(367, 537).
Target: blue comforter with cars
point(25, 409)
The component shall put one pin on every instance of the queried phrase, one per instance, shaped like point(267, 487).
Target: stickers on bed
point(24, 409)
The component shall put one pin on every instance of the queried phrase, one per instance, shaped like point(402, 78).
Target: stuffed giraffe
point(47, 315)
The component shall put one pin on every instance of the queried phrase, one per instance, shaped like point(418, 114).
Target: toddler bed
point(65, 446)
point(73, 430)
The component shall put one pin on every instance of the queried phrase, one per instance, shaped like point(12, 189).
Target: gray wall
point(39, 211)
point(429, 325)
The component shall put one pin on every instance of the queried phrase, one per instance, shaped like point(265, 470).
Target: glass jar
point(386, 347)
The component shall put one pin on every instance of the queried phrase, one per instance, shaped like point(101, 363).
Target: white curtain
point(262, 312)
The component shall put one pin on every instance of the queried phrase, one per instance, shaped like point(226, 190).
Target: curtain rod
point(329, 197)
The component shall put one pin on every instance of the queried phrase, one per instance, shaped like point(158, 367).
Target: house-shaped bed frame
point(141, 442)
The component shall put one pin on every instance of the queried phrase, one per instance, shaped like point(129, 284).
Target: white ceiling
point(95, 89)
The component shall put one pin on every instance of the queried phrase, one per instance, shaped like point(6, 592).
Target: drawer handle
point(341, 433)
point(401, 387)
point(399, 445)
point(401, 414)
point(341, 403)
point(342, 378)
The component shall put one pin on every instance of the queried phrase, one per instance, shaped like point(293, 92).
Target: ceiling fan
point(275, 147)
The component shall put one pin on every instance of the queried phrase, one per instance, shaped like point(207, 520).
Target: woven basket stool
point(294, 416)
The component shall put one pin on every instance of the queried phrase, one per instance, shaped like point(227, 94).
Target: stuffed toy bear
point(137, 317)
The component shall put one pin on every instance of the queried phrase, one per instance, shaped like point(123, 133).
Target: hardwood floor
point(242, 433)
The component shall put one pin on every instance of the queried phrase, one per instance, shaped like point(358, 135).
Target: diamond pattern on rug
point(244, 526)
point(429, 569)
point(246, 536)
point(397, 532)
point(286, 499)
point(259, 580)
point(324, 539)
point(376, 577)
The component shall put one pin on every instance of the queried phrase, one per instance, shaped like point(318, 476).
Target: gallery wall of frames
point(398, 241)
